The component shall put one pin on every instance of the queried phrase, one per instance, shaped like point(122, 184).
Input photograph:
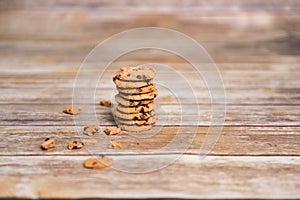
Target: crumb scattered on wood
point(72, 110)
point(115, 145)
point(48, 143)
point(106, 103)
point(75, 145)
point(91, 130)
point(98, 163)
point(88, 142)
point(112, 130)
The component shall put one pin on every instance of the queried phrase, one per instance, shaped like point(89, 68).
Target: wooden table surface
point(256, 47)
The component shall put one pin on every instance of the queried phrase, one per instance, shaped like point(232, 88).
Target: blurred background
point(230, 30)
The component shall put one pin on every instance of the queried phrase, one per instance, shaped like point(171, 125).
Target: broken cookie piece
point(115, 145)
point(75, 145)
point(91, 130)
point(72, 110)
point(106, 103)
point(48, 143)
point(98, 163)
point(112, 130)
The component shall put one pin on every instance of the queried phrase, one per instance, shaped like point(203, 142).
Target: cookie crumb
point(91, 130)
point(115, 145)
point(48, 143)
point(106, 103)
point(75, 145)
point(112, 130)
point(98, 163)
point(88, 142)
point(72, 110)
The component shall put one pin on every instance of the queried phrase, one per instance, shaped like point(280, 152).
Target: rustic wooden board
point(245, 96)
point(280, 79)
point(52, 115)
point(269, 141)
point(255, 45)
point(214, 177)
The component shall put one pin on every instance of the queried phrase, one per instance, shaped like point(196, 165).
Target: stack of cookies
point(135, 110)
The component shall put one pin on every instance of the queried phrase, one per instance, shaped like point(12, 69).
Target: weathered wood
point(233, 79)
point(255, 45)
point(243, 115)
point(234, 96)
point(26, 140)
point(69, 68)
point(248, 52)
point(134, 6)
point(188, 177)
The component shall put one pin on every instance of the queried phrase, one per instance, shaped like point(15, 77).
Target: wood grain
point(52, 115)
point(254, 141)
point(255, 45)
point(212, 177)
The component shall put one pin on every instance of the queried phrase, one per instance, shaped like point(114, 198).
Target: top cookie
point(138, 73)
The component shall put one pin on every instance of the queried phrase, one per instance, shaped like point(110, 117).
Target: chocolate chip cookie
point(135, 128)
point(149, 121)
point(135, 84)
point(136, 109)
point(133, 116)
point(140, 90)
point(137, 91)
point(135, 73)
point(138, 97)
point(125, 102)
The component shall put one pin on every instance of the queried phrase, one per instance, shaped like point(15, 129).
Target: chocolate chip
point(106, 103)
point(128, 75)
point(138, 77)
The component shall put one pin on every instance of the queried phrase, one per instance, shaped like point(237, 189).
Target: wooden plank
point(174, 95)
point(231, 79)
point(189, 177)
point(257, 154)
point(236, 115)
point(72, 19)
point(263, 141)
point(255, 50)
point(47, 66)
point(134, 6)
